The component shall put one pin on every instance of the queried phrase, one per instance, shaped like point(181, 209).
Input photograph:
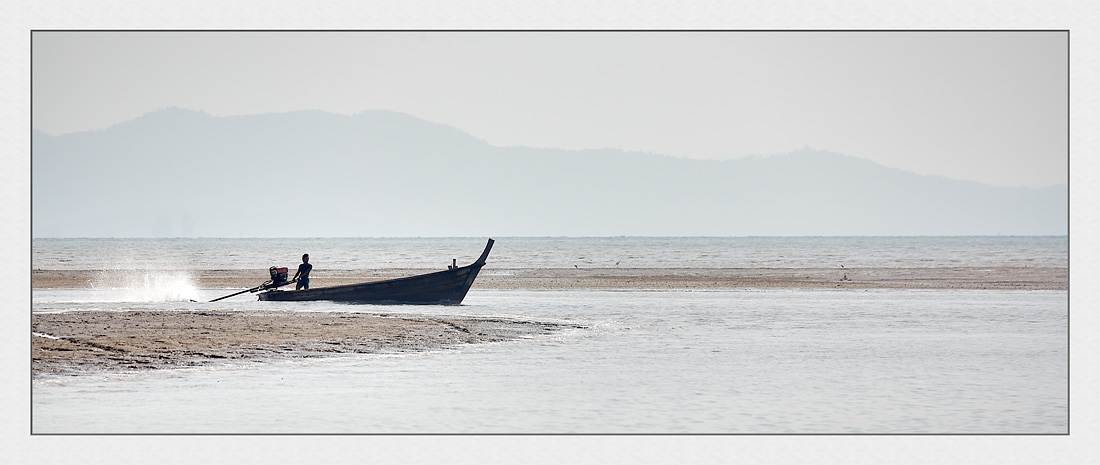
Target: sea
point(634, 361)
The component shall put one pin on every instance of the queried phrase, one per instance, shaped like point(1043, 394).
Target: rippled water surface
point(831, 361)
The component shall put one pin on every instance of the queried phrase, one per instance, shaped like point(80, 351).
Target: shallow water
point(732, 361)
point(787, 361)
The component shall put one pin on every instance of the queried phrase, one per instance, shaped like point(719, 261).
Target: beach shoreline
point(1001, 278)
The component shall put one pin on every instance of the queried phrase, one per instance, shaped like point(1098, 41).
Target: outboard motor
point(278, 278)
point(278, 275)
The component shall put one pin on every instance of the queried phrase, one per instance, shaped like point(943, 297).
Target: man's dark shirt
point(304, 269)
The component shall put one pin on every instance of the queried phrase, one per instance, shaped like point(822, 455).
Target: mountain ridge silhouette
point(312, 173)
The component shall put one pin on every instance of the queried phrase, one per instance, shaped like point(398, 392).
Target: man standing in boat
point(302, 276)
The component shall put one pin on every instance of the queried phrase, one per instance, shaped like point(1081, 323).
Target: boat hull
point(448, 287)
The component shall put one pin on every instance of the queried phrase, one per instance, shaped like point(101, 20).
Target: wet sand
point(1023, 278)
point(84, 342)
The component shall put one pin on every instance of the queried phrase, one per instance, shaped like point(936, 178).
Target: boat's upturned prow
point(447, 287)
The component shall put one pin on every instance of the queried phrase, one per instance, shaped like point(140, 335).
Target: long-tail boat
point(446, 287)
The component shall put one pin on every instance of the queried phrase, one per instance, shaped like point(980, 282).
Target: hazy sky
point(982, 106)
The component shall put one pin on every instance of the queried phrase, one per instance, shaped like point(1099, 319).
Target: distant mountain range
point(178, 172)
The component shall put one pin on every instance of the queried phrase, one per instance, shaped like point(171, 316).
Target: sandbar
point(82, 342)
point(1020, 278)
